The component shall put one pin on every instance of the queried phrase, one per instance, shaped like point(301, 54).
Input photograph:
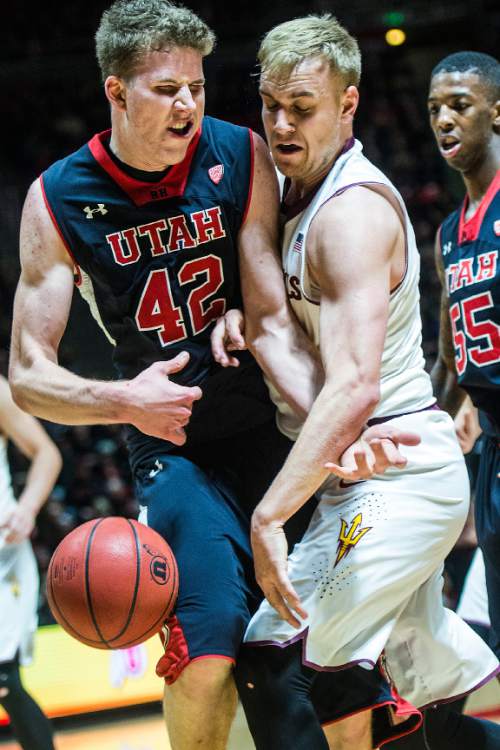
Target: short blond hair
point(291, 42)
point(129, 29)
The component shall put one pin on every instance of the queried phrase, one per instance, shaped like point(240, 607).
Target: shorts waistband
point(381, 420)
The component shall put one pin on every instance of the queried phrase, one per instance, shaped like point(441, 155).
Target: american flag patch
point(297, 245)
point(216, 173)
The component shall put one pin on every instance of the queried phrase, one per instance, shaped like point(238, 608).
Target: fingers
point(175, 364)
point(195, 393)
point(177, 437)
point(217, 340)
point(386, 454)
point(340, 471)
point(227, 336)
point(386, 430)
point(283, 598)
point(235, 324)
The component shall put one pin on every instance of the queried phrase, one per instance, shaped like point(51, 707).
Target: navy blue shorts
point(200, 500)
point(487, 511)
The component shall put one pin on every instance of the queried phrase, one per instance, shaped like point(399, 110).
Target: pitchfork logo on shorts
point(349, 536)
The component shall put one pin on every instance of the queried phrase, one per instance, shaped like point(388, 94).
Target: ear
point(496, 116)
point(350, 100)
point(115, 90)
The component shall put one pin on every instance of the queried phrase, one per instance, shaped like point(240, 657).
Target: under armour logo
point(447, 248)
point(89, 212)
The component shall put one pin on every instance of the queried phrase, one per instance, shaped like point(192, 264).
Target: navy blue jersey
point(470, 251)
point(158, 262)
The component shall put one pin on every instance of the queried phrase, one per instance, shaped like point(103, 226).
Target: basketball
point(112, 582)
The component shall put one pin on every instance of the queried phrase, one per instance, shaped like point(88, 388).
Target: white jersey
point(18, 582)
point(6, 493)
point(404, 384)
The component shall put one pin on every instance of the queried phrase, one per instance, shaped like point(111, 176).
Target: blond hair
point(129, 29)
point(291, 42)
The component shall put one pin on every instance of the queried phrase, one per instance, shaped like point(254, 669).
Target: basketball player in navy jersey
point(464, 111)
point(155, 218)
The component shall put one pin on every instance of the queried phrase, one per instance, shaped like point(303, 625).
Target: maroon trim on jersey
point(250, 185)
point(78, 276)
point(294, 209)
point(468, 231)
point(173, 183)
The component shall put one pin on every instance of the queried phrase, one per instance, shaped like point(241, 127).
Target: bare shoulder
point(40, 242)
point(358, 211)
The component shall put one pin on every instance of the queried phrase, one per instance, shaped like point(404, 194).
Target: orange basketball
point(112, 582)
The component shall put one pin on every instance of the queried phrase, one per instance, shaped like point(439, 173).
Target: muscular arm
point(444, 375)
point(355, 277)
point(45, 389)
point(284, 352)
point(45, 464)
point(353, 316)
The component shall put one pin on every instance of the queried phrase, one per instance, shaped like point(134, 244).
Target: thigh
point(487, 511)
point(199, 518)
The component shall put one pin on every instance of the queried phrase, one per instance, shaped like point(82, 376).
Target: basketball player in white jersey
point(18, 569)
point(365, 581)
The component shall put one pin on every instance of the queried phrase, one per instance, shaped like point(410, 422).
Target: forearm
point(46, 390)
point(448, 393)
point(335, 421)
point(42, 475)
point(290, 361)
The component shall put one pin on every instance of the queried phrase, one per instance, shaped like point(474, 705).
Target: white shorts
point(368, 572)
point(473, 604)
point(18, 601)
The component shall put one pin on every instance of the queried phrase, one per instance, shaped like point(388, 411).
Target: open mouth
point(181, 130)
point(449, 146)
point(287, 148)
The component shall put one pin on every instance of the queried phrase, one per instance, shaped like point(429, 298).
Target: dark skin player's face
point(462, 117)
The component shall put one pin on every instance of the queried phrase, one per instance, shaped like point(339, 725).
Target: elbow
point(362, 394)
point(19, 395)
point(264, 329)
point(19, 388)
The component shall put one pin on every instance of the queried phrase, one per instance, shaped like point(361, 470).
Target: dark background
point(52, 102)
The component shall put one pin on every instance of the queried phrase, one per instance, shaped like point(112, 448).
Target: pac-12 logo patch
point(496, 227)
point(216, 173)
point(349, 536)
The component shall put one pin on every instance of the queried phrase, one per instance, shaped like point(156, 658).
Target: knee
point(354, 731)
point(204, 680)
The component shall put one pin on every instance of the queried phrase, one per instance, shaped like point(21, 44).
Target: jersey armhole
point(250, 178)
point(78, 276)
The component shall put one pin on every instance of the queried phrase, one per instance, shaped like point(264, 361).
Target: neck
point(131, 154)
point(303, 186)
point(478, 179)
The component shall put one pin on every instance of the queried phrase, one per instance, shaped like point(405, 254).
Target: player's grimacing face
point(461, 117)
point(165, 102)
point(304, 119)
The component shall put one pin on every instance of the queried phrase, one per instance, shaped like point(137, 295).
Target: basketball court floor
point(147, 731)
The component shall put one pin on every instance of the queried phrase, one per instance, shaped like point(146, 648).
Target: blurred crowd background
point(52, 103)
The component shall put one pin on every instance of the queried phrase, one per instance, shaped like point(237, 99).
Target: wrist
point(264, 519)
point(117, 400)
